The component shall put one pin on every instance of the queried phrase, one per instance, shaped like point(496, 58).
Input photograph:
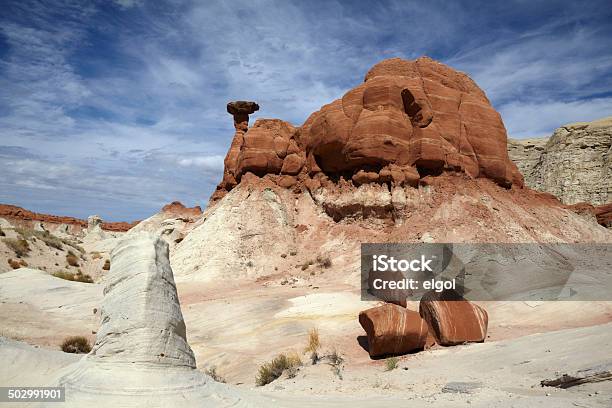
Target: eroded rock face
point(392, 329)
point(409, 119)
point(574, 164)
point(177, 208)
point(453, 320)
point(141, 315)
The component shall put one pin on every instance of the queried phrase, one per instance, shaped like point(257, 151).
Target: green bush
point(391, 363)
point(76, 344)
point(269, 372)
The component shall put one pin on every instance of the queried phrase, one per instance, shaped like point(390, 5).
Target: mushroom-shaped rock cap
point(242, 107)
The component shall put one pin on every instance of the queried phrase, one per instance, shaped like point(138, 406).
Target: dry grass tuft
point(314, 344)
point(212, 372)
point(324, 261)
point(20, 247)
point(76, 344)
point(269, 372)
point(75, 277)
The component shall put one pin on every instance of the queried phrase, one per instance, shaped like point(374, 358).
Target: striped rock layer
point(407, 120)
point(392, 329)
point(453, 320)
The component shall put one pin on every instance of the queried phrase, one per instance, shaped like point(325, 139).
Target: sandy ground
point(504, 373)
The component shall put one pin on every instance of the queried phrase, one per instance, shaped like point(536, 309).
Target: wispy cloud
point(120, 106)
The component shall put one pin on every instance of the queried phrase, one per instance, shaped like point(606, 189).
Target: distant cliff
point(574, 164)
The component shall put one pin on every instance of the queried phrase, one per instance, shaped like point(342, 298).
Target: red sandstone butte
point(407, 120)
point(21, 215)
point(177, 208)
point(452, 319)
point(392, 329)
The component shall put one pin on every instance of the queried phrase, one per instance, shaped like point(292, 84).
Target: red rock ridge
point(14, 213)
point(177, 208)
point(409, 119)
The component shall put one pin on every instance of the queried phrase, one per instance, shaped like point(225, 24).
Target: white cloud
point(139, 119)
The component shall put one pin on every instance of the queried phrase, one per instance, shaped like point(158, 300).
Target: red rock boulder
point(453, 320)
point(392, 329)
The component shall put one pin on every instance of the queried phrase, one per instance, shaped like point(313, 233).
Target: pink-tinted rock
point(408, 120)
point(452, 319)
point(392, 329)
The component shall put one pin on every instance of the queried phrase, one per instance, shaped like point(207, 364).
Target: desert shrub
point(81, 277)
point(17, 263)
point(305, 266)
point(72, 259)
point(313, 346)
point(76, 344)
point(106, 265)
point(335, 360)
point(48, 238)
point(64, 275)
point(19, 246)
point(269, 372)
point(212, 372)
point(391, 363)
point(324, 261)
point(77, 277)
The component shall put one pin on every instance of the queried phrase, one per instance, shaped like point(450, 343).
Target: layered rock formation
point(141, 356)
point(392, 329)
point(452, 319)
point(574, 164)
point(409, 119)
point(155, 331)
point(21, 216)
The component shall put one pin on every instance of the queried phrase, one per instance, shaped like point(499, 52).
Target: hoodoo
point(409, 119)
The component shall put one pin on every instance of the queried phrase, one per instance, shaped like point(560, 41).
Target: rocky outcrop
point(574, 164)
point(28, 218)
point(408, 120)
point(452, 319)
point(392, 329)
point(141, 356)
point(176, 208)
point(155, 332)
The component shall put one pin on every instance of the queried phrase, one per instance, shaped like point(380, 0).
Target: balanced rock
point(241, 110)
point(453, 320)
point(392, 329)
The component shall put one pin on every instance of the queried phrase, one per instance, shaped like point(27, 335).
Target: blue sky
point(118, 107)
